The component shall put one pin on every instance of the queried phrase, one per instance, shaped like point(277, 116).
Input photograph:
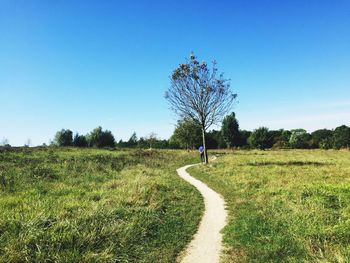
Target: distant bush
point(142, 143)
point(280, 145)
point(187, 134)
point(161, 144)
point(230, 130)
point(326, 143)
point(244, 136)
point(132, 142)
point(64, 138)
point(299, 139)
point(260, 138)
point(215, 140)
point(341, 137)
point(322, 136)
point(80, 141)
point(101, 139)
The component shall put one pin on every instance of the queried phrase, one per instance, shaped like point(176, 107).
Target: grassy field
point(70, 205)
point(284, 206)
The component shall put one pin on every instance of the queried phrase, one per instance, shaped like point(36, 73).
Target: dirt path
point(207, 242)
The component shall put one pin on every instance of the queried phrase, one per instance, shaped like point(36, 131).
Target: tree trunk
point(204, 146)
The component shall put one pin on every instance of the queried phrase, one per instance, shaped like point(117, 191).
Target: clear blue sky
point(80, 64)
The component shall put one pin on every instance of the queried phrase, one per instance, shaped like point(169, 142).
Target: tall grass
point(70, 205)
point(284, 206)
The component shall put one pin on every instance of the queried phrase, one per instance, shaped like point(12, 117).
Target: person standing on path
point(201, 152)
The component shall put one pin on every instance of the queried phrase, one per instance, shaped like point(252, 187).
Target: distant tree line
point(96, 138)
point(188, 135)
point(150, 141)
point(100, 138)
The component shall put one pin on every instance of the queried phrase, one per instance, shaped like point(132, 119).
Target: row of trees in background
point(150, 141)
point(96, 138)
point(100, 138)
point(187, 136)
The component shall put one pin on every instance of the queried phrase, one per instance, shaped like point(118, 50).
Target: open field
point(89, 205)
point(71, 205)
point(284, 206)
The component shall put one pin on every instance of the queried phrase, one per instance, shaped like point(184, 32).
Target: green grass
point(70, 205)
point(284, 206)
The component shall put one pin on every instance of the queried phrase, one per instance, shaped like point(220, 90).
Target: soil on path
point(206, 245)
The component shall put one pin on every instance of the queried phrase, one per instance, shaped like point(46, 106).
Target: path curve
point(206, 245)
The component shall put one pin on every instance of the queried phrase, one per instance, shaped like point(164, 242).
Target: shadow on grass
point(290, 163)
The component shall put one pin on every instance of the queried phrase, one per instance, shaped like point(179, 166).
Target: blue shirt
point(201, 149)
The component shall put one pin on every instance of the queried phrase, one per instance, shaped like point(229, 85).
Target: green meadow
point(89, 205)
point(285, 205)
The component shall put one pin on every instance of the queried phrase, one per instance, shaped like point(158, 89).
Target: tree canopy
point(341, 137)
point(80, 140)
point(230, 130)
point(187, 134)
point(260, 138)
point(299, 139)
point(200, 93)
point(64, 138)
point(100, 139)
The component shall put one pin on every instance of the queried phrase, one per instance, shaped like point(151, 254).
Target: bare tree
point(201, 94)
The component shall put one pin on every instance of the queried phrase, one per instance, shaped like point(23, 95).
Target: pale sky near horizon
point(83, 64)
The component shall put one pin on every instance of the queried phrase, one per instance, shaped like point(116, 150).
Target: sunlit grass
point(284, 206)
point(69, 205)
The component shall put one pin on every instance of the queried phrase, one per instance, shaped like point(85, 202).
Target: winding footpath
point(206, 245)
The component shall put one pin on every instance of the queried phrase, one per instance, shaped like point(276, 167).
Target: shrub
point(80, 141)
point(230, 130)
point(260, 138)
point(215, 140)
point(187, 134)
point(321, 136)
point(326, 143)
point(243, 138)
point(64, 138)
point(299, 139)
point(341, 137)
point(100, 139)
